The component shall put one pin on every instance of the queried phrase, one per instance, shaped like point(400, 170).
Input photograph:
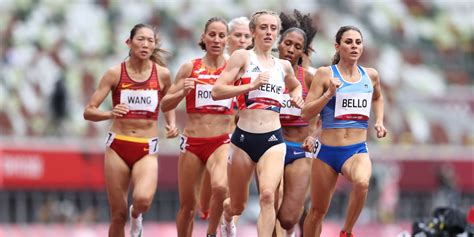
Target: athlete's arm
point(308, 78)
point(315, 101)
point(314, 130)
point(294, 86)
point(181, 87)
point(170, 117)
point(223, 88)
point(377, 103)
point(108, 82)
point(315, 123)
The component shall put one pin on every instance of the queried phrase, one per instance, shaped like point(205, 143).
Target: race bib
point(144, 100)
point(153, 146)
point(352, 106)
point(268, 93)
point(204, 97)
point(288, 109)
point(183, 143)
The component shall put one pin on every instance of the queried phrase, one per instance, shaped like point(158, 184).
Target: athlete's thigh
point(117, 177)
point(358, 168)
point(270, 167)
point(217, 165)
point(190, 170)
point(239, 174)
point(145, 176)
point(323, 184)
point(296, 183)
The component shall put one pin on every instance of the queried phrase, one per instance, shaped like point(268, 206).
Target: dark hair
point(158, 53)
point(210, 21)
point(299, 23)
point(339, 34)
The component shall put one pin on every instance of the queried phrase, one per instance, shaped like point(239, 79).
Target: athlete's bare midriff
point(207, 125)
point(343, 136)
point(143, 128)
point(258, 120)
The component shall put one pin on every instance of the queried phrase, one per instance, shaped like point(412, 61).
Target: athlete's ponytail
point(336, 58)
point(158, 56)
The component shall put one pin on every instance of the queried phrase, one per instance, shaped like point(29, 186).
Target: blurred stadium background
point(53, 53)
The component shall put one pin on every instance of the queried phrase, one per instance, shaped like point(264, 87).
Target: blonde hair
point(257, 14)
point(254, 18)
point(238, 21)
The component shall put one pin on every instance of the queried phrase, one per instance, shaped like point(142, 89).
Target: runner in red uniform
point(205, 141)
point(137, 86)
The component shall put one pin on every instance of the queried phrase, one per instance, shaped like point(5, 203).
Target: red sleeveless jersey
point(142, 98)
point(199, 100)
point(290, 115)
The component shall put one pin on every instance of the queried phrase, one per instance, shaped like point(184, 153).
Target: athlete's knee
point(288, 221)
point(267, 197)
point(317, 212)
point(361, 185)
point(119, 217)
point(219, 191)
point(236, 209)
point(188, 210)
point(142, 203)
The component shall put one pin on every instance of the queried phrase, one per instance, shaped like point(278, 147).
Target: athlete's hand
point(120, 110)
point(308, 144)
point(171, 131)
point(334, 83)
point(381, 130)
point(261, 79)
point(297, 101)
point(188, 85)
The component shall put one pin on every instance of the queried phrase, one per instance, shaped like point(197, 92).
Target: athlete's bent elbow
point(215, 94)
point(305, 115)
point(87, 116)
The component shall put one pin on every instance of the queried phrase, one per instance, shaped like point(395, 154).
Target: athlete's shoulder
point(311, 70)
point(238, 58)
point(160, 67)
point(308, 73)
point(240, 53)
point(187, 66)
point(113, 71)
point(371, 72)
point(162, 70)
point(323, 71)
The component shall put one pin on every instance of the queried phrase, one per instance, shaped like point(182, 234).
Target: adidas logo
point(256, 69)
point(273, 138)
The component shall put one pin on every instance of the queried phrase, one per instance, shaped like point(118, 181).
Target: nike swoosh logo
point(127, 85)
point(146, 149)
point(298, 153)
